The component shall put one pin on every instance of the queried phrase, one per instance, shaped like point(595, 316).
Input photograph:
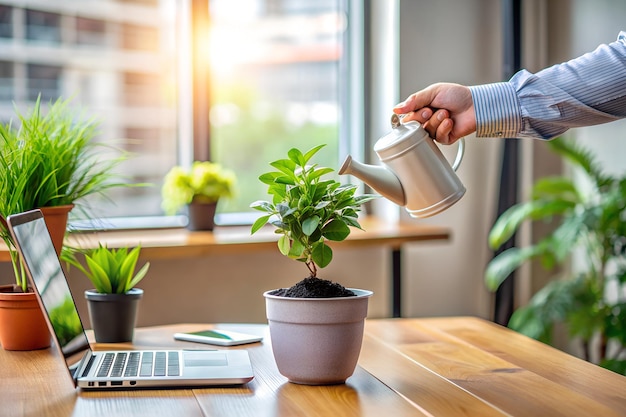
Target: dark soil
point(314, 288)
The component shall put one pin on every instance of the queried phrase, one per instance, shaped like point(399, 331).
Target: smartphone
point(218, 337)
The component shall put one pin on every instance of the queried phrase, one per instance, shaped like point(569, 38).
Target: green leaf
point(336, 230)
point(321, 254)
point(127, 266)
point(262, 206)
point(285, 166)
point(310, 225)
point(98, 277)
point(309, 154)
point(287, 180)
point(138, 277)
point(553, 188)
point(500, 267)
point(259, 223)
point(296, 156)
point(297, 249)
point(269, 177)
point(284, 245)
point(527, 320)
point(509, 222)
point(318, 172)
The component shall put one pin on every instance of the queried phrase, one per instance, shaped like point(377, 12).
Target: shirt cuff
point(497, 110)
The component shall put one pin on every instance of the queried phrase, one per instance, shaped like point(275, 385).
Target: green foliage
point(205, 182)
point(50, 160)
point(593, 225)
point(65, 321)
point(111, 271)
point(306, 209)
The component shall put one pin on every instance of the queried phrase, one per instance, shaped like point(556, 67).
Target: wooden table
point(408, 367)
point(180, 243)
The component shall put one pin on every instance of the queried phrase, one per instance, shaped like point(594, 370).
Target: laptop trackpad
point(207, 358)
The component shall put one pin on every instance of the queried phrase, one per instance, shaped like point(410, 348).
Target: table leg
point(396, 282)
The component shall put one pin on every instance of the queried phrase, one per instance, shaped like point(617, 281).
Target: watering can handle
point(397, 121)
point(459, 154)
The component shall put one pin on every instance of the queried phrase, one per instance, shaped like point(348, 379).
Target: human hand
point(445, 110)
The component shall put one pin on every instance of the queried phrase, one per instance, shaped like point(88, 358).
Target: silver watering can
point(414, 174)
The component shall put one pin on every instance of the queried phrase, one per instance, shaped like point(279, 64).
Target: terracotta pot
point(201, 215)
point(56, 221)
point(113, 316)
point(22, 324)
point(317, 341)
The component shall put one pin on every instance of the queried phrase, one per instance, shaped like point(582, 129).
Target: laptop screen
point(43, 266)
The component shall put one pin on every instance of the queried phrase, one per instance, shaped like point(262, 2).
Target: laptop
point(111, 369)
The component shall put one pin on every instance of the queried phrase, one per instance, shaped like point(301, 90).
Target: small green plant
point(591, 225)
point(307, 210)
point(111, 271)
point(205, 182)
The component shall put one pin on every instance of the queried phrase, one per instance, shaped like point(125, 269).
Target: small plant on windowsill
point(307, 211)
point(199, 189)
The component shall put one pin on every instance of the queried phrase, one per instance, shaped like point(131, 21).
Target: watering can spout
point(380, 178)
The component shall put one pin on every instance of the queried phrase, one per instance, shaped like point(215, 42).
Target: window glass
point(43, 26)
point(274, 70)
point(6, 25)
point(116, 63)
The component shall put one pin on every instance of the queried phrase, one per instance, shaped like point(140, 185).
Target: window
point(43, 80)
point(6, 22)
point(90, 32)
point(43, 26)
point(6, 81)
point(273, 69)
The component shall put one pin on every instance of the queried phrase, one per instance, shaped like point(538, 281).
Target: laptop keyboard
point(142, 364)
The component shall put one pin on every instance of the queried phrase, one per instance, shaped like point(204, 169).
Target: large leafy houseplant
point(591, 226)
point(307, 210)
point(51, 159)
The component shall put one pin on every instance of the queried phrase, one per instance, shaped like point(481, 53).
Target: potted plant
point(199, 189)
point(52, 162)
point(113, 302)
point(316, 326)
point(590, 220)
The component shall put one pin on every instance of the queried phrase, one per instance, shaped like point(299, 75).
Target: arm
point(585, 91)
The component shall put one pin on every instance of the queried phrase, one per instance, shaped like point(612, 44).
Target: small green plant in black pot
point(113, 303)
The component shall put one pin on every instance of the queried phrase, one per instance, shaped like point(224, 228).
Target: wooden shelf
point(180, 243)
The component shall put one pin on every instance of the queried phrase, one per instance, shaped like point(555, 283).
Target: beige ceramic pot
point(317, 341)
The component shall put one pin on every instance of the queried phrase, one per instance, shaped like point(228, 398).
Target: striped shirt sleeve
point(585, 91)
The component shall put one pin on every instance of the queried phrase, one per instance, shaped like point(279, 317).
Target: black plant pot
point(113, 316)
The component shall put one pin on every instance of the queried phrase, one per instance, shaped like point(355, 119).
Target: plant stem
point(312, 268)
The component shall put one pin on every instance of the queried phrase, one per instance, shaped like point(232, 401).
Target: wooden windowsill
point(180, 243)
